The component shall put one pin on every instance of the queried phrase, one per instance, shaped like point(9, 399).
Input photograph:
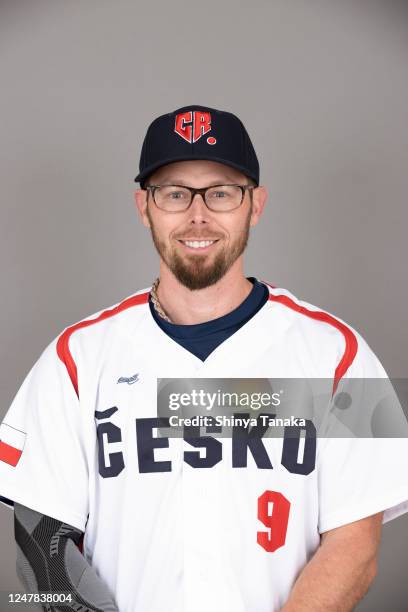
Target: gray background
point(322, 89)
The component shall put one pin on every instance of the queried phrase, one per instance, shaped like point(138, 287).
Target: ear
point(259, 195)
point(140, 196)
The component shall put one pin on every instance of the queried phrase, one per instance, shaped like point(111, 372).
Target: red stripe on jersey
point(63, 341)
point(349, 337)
point(9, 454)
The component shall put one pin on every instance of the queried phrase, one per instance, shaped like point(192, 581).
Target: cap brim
point(142, 175)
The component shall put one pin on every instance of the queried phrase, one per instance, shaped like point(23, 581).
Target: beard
point(192, 271)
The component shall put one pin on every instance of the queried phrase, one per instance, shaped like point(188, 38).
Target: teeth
point(196, 244)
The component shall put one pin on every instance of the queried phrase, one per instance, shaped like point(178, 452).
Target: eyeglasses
point(218, 198)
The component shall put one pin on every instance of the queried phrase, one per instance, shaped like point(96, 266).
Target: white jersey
point(164, 528)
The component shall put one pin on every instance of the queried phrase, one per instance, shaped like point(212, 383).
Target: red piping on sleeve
point(349, 337)
point(63, 350)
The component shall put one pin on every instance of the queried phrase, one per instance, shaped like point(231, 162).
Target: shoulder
point(324, 333)
point(83, 341)
point(303, 313)
point(111, 317)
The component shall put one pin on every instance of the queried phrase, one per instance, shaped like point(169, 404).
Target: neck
point(186, 307)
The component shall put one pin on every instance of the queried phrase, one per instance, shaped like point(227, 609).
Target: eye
point(174, 194)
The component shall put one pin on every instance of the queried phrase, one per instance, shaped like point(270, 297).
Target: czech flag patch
point(12, 442)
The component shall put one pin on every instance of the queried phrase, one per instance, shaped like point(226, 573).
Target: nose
point(198, 210)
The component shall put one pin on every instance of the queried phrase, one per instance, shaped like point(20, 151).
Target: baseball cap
point(197, 132)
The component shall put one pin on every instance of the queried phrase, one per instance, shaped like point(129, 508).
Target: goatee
point(192, 272)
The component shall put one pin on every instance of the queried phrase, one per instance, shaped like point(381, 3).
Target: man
point(193, 522)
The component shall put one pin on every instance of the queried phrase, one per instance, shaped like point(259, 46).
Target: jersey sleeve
point(43, 460)
point(362, 461)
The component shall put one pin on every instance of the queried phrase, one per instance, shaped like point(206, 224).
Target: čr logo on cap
point(191, 125)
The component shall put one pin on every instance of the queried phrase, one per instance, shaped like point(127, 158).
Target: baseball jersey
point(182, 524)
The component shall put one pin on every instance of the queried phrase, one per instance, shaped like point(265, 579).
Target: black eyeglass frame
point(202, 191)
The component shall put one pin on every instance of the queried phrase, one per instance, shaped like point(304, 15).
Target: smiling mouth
point(198, 245)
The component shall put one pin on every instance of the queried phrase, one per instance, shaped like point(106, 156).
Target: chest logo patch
point(129, 380)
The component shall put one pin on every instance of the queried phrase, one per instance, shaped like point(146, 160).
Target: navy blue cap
point(197, 132)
